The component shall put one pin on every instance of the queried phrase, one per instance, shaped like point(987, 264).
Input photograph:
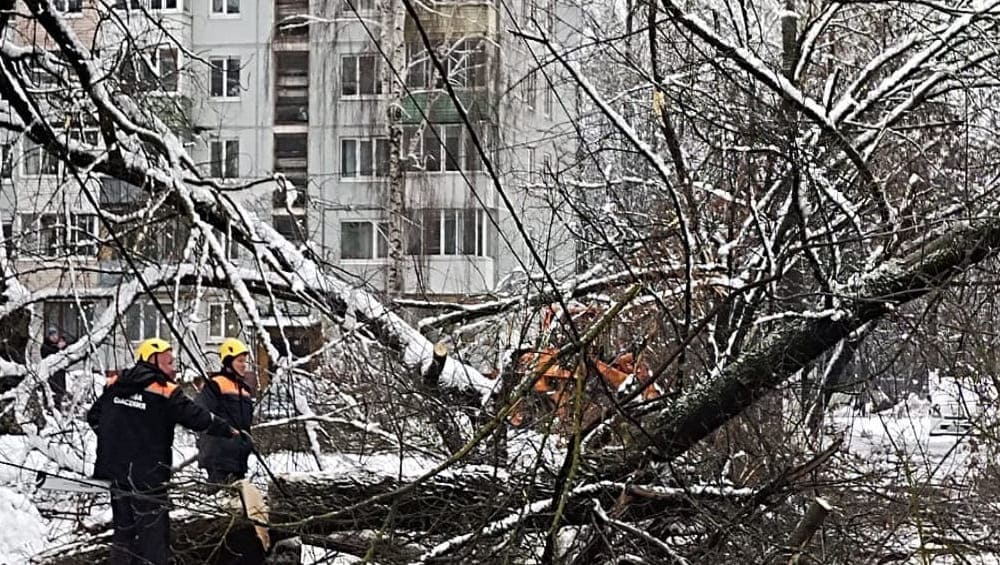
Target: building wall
point(522, 136)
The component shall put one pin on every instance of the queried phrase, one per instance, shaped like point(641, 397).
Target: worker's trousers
point(142, 528)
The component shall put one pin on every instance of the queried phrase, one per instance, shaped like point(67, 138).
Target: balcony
point(291, 20)
point(291, 102)
point(455, 19)
point(439, 108)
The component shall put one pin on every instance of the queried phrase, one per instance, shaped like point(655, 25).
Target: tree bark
point(460, 501)
point(676, 424)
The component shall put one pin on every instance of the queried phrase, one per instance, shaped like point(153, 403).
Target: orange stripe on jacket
point(227, 386)
point(163, 390)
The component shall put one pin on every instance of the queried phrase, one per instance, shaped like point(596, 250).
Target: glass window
point(72, 319)
point(453, 147)
point(69, 6)
point(225, 6)
point(6, 160)
point(38, 161)
point(432, 149)
point(143, 321)
point(349, 157)
point(224, 81)
point(223, 321)
point(225, 159)
point(363, 240)
point(432, 232)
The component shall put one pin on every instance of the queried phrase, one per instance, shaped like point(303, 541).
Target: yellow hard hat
point(151, 347)
point(232, 347)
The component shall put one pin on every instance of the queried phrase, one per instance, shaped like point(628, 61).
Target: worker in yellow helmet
point(228, 395)
point(134, 420)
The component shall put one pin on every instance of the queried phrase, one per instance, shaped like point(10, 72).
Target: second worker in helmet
point(227, 395)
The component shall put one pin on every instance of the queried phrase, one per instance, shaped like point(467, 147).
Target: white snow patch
point(22, 528)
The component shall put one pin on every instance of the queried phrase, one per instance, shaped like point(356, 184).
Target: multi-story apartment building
point(282, 86)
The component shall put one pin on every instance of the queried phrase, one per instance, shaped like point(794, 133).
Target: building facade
point(295, 92)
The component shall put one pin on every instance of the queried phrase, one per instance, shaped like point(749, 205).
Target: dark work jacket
point(134, 419)
point(48, 348)
point(230, 399)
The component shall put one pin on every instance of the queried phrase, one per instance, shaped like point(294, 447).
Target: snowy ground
point(32, 520)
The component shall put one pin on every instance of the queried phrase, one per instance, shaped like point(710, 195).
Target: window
point(462, 231)
point(440, 147)
point(291, 19)
point(464, 64)
point(153, 69)
point(531, 164)
point(547, 99)
point(225, 159)
point(530, 89)
point(6, 160)
point(159, 239)
point(359, 75)
point(152, 4)
point(225, 79)
point(38, 161)
point(232, 249)
point(69, 6)
point(71, 318)
point(364, 157)
point(223, 321)
point(57, 235)
point(164, 67)
point(46, 78)
point(225, 7)
point(143, 321)
point(364, 240)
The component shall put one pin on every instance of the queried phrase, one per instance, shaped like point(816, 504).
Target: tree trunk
point(675, 426)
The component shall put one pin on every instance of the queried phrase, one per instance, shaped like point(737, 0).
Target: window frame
point(421, 72)
point(66, 7)
point(221, 312)
point(449, 226)
point(357, 60)
point(6, 161)
point(379, 169)
point(84, 310)
point(224, 13)
point(50, 238)
point(379, 239)
point(226, 146)
point(43, 163)
point(137, 5)
point(143, 309)
point(156, 64)
point(222, 64)
point(530, 93)
point(446, 160)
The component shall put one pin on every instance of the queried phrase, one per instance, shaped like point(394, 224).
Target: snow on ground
point(22, 529)
point(920, 440)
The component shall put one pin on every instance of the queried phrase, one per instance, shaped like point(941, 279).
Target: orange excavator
point(555, 386)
